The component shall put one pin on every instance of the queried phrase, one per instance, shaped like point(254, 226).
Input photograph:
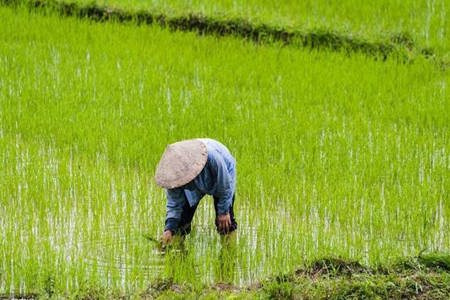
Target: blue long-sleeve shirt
point(218, 178)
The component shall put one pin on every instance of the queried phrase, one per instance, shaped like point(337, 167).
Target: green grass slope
point(426, 21)
point(399, 45)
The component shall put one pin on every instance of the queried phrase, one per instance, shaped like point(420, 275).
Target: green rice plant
point(400, 46)
point(337, 155)
point(425, 22)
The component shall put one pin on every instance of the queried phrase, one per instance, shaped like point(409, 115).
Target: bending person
point(189, 170)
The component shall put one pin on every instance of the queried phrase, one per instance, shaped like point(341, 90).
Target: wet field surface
point(116, 253)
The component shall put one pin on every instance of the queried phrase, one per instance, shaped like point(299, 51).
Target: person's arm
point(224, 184)
point(175, 203)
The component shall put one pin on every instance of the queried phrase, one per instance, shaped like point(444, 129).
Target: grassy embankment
point(427, 277)
point(337, 156)
point(426, 21)
point(403, 45)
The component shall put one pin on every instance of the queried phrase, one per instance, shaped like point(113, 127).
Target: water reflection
point(203, 254)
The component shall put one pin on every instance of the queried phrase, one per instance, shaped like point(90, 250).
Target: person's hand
point(166, 237)
point(224, 222)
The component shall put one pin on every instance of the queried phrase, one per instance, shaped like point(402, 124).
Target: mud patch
point(435, 262)
point(333, 267)
point(26, 296)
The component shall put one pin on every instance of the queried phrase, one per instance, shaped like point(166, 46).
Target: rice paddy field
point(338, 155)
point(426, 21)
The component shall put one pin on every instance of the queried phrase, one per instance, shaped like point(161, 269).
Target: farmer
point(190, 169)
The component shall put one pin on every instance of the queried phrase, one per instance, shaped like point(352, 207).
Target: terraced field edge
point(399, 45)
point(422, 277)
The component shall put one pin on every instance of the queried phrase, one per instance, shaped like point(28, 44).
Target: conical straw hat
point(180, 163)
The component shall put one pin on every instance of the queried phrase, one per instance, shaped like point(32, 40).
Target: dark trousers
point(184, 227)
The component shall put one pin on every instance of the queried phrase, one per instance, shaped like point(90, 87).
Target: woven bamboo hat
point(180, 163)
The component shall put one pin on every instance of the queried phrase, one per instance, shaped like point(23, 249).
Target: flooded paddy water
point(129, 255)
point(117, 255)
